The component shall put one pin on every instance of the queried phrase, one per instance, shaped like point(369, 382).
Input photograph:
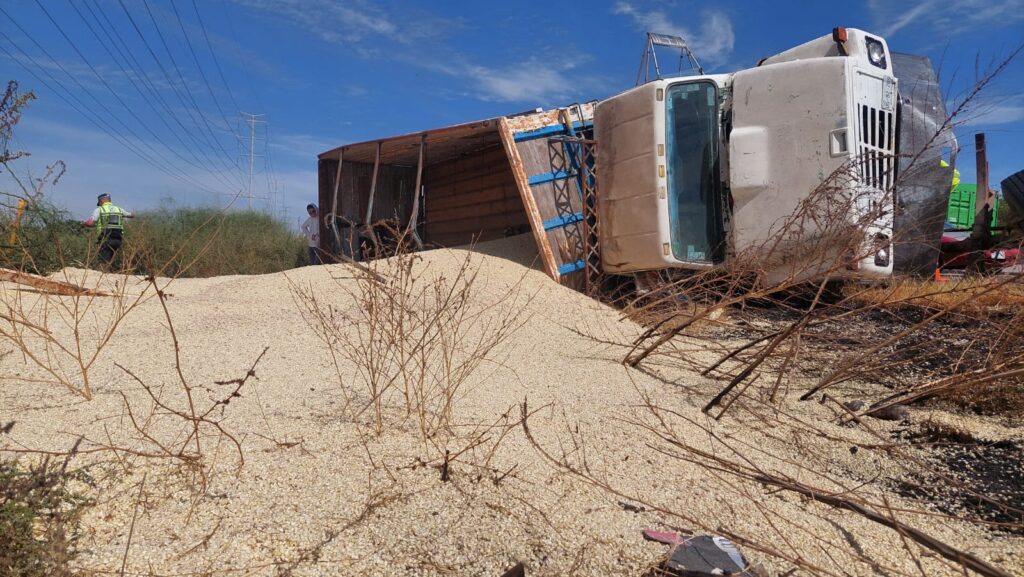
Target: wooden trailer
point(469, 183)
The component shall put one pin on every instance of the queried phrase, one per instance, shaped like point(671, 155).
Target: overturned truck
point(684, 173)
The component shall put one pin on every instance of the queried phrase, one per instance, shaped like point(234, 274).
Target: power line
point(184, 84)
point(199, 66)
point(94, 118)
point(234, 36)
point(213, 54)
point(156, 59)
point(127, 53)
point(105, 125)
point(115, 93)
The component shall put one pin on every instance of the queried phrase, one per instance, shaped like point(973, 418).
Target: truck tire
point(1013, 195)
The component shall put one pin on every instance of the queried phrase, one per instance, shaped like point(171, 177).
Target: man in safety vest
point(109, 223)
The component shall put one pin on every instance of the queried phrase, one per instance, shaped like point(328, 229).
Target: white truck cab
point(696, 170)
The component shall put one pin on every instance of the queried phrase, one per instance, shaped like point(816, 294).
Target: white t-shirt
point(311, 228)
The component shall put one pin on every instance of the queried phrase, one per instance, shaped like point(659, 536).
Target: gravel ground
point(318, 494)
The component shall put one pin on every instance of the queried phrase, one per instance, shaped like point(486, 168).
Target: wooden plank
point(555, 199)
point(498, 221)
point(48, 285)
point(461, 239)
point(529, 203)
point(498, 176)
point(451, 174)
point(505, 206)
point(373, 186)
point(416, 195)
point(334, 206)
point(484, 195)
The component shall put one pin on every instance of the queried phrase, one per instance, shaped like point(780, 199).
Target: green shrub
point(39, 519)
point(190, 242)
point(202, 242)
point(46, 240)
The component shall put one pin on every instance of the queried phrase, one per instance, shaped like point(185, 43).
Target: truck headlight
point(876, 52)
point(883, 250)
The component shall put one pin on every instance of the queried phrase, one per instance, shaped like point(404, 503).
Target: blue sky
point(142, 98)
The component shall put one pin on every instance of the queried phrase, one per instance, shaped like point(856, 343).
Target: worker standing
point(109, 223)
point(311, 228)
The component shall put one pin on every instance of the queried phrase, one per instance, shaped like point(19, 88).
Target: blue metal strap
point(570, 267)
point(548, 177)
point(563, 221)
point(548, 131)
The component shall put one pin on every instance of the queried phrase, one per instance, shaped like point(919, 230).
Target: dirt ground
point(320, 494)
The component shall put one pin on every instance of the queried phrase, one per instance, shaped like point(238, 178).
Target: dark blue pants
point(109, 243)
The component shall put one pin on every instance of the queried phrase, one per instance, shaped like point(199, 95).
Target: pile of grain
point(317, 496)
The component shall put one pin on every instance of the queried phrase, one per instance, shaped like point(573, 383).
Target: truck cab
point(698, 170)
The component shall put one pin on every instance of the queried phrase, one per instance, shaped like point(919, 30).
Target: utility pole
point(252, 120)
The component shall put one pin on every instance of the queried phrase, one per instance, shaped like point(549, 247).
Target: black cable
point(117, 96)
point(98, 121)
point(127, 54)
point(156, 59)
point(213, 53)
point(184, 84)
point(199, 66)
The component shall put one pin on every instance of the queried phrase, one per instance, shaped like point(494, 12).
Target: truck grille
point(876, 147)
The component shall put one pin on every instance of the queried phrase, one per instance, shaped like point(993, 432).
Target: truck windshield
point(691, 121)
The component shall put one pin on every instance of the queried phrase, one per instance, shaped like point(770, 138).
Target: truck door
point(694, 182)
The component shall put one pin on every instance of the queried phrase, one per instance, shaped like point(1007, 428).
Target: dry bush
point(417, 338)
point(982, 294)
point(40, 508)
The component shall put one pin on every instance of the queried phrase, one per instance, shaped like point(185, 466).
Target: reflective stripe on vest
point(111, 218)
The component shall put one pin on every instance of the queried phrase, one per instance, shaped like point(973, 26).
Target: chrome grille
point(876, 147)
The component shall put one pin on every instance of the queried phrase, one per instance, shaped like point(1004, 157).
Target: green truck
point(960, 213)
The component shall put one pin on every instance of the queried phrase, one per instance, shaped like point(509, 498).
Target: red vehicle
point(951, 256)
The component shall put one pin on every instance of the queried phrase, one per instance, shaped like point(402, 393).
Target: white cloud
point(712, 43)
point(335, 22)
point(304, 146)
point(1006, 111)
point(945, 18)
point(531, 81)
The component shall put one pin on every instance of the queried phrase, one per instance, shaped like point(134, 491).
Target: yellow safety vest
point(111, 218)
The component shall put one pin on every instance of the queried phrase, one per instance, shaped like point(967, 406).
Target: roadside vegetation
point(185, 242)
point(39, 518)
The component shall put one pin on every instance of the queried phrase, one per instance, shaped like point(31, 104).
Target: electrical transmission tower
point(252, 120)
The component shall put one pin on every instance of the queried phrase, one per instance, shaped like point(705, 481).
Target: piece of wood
point(529, 204)
point(416, 195)
point(373, 186)
point(982, 200)
point(48, 285)
point(501, 176)
point(480, 210)
point(334, 207)
point(496, 222)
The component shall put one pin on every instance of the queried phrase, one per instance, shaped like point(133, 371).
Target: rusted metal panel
point(443, 144)
point(326, 168)
point(394, 195)
point(529, 202)
point(538, 120)
point(551, 186)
